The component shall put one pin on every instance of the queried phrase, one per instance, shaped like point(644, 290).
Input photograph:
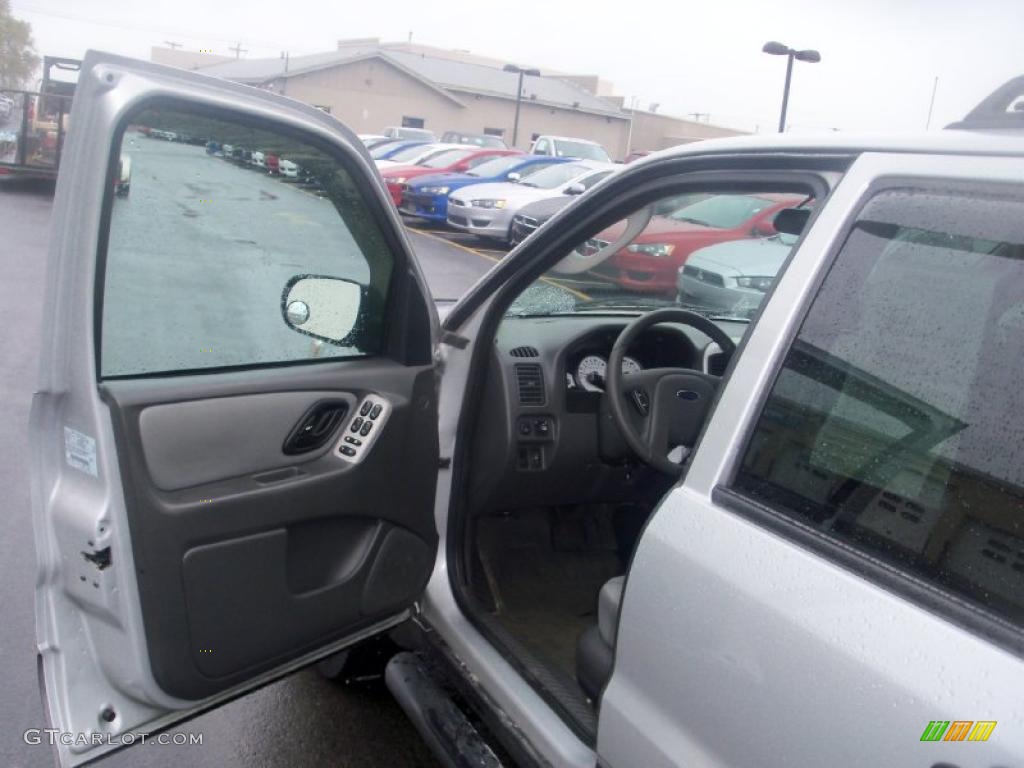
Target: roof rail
point(1003, 108)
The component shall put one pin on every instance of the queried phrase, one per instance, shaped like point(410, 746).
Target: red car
point(454, 160)
point(651, 263)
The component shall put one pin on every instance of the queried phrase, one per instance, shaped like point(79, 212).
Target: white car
point(486, 210)
point(401, 132)
point(258, 159)
point(288, 169)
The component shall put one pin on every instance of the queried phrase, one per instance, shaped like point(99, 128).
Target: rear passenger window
point(897, 421)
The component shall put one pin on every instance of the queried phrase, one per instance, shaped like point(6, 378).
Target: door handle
point(315, 427)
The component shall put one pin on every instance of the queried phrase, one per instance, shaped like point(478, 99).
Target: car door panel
point(233, 547)
point(185, 553)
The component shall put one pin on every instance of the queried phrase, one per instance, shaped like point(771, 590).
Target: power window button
point(376, 411)
point(357, 422)
point(366, 408)
point(366, 428)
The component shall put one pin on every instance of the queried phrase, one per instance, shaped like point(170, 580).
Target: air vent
point(530, 380)
point(717, 363)
point(525, 352)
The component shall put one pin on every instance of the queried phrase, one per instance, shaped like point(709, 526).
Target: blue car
point(427, 196)
point(385, 150)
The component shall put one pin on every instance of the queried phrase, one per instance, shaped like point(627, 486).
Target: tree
point(18, 60)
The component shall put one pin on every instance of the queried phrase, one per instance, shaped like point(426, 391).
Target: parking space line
point(495, 259)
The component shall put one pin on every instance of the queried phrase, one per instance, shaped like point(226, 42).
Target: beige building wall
point(370, 95)
point(652, 132)
point(489, 112)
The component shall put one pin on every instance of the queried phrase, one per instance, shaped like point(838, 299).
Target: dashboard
point(542, 436)
point(587, 358)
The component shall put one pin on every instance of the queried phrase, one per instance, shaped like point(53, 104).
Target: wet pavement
point(300, 720)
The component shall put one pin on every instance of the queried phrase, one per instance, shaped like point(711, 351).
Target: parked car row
point(394, 133)
point(505, 195)
point(273, 164)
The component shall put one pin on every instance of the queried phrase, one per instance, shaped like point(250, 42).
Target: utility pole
point(172, 45)
point(238, 49)
point(931, 104)
point(284, 79)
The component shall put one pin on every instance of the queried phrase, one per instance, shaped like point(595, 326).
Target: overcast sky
point(879, 57)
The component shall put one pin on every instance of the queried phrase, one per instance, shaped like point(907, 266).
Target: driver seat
point(595, 649)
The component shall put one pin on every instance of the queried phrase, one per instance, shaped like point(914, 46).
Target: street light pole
point(785, 93)
point(519, 95)
point(778, 49)
point(519, 104)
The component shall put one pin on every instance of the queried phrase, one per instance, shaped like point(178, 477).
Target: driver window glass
point(716, 253)
point(210, 221)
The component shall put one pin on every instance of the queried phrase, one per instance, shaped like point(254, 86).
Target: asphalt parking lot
point(301, 720)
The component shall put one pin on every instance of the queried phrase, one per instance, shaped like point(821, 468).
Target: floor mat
point(545, 569)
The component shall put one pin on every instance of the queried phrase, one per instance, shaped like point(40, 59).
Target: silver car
point(733, 277)
point(604, 528)
point(486, 210)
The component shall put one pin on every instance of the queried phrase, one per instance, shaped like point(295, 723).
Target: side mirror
point(514, 177)
point(791, 221)
point(326, 308)
point(575, 189)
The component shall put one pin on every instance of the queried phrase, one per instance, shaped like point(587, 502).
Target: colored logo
point(958, 730)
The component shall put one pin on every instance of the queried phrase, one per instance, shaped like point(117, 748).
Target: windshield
point(444, 159)
point(723, 211)
point(649, 261)
point(499, 166)
point(478, 141)
point(383, 148)
point(555, 175)
point(581, 149)
point(410, 154)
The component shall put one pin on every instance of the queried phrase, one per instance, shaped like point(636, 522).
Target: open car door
point(235, 430)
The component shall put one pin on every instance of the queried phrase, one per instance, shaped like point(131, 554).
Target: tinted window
point(495, 166)
point(555, 175)
point(723, 211)
point(897, 421)
point(385, 148)
point(203, 243)
point(410, 153)
point(592, 179)
point(444, 159)
point(581, 150)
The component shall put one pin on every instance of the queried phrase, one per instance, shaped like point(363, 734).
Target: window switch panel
point(362, 431)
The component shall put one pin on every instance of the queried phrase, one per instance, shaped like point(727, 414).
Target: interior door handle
point(316, 426)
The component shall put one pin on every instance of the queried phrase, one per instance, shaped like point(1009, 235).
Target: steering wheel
point(660, 408)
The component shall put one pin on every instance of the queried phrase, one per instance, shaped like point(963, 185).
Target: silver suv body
point(829, 564)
